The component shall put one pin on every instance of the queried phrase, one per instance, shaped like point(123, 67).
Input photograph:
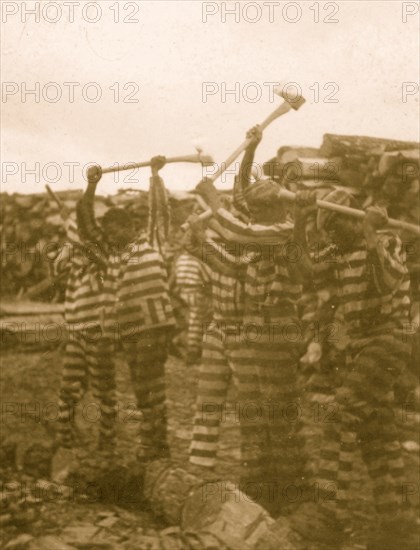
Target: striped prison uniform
point(87, 355)
point(268, 357)
point(192, 280)
point(137, 311)
point(373, 294)
point(221, 354)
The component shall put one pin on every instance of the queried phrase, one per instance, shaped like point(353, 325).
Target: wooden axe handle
point(284, 108)
point(120, 168)
point(54, 197)
point(353, 212)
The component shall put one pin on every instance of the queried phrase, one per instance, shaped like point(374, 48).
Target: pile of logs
point(380, 171)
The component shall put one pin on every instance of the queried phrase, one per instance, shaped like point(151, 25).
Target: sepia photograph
point(210, 275)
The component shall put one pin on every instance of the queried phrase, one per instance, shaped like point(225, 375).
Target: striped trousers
point(146, 354)
point(198, 306)
point(365, 420)
point(88, 357)
point(223, 360)
point(271, 448)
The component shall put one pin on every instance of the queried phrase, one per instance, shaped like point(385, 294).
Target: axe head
point(206, 160)
point(295, 100)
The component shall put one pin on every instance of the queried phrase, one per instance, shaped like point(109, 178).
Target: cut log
point(318, 169)
point(273, 168)
point(337, 145)
point(215, 508)
point(410, 159)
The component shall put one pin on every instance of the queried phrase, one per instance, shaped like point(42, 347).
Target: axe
point(205, 160)
point(288, 104)
point(353, 212)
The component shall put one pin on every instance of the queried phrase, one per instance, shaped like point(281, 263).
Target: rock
point(107, 522)
point(5, 519)
point(21, 541)
point(50, 542)
point(411, 446)
point(80, 533)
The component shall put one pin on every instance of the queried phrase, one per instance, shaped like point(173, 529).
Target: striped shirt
point(227, 281)
point(140, 286)
point(191, 273)
point(271, 293)
point(129, 293)
point(372, 286)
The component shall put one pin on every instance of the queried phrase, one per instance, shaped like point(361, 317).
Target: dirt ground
point(29, 388)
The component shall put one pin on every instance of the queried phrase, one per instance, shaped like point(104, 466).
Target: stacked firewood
point(380, 171)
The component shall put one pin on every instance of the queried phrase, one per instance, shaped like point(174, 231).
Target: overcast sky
point(169, 51)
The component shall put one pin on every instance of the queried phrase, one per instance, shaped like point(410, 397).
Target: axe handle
point(54, 197)
point(281, 110)
point(120, 168)
point(353, 212)
point(284, 108)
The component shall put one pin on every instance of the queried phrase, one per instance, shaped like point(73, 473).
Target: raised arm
point(234, 230)
point(89, 229)
point(245, 170)
point(93, 239)
point(159, 212)
point(304, 205)
point(211, 253)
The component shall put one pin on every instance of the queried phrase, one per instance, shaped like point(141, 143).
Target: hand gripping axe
point(290, 102)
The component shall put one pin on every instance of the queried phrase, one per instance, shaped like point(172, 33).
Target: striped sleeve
point(232, 229)
point(214, 257)
point(388, 267)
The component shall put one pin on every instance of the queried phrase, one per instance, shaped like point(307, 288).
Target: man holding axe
point(131, 305)
point(138, 311)
point(268, 356)
point(366, 267)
